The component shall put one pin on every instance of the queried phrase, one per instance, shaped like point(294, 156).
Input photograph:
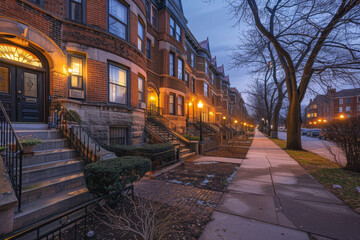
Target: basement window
point(119, 135)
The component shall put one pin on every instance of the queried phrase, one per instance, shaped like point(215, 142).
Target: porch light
point(152, 98)
point(236, 121)
point(325, 121)
point(342, 116)
point(211, 113)
point(200, 105)
point(224, 117)
point(315, 122)
point(319, 120)
point(190, 104)
point(70, 70)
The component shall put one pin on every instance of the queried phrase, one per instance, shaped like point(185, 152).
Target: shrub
point(73, 115)
point(345, 133)
point(114, 174)
point(29, 141)
point(191, 137)
point(129, 150)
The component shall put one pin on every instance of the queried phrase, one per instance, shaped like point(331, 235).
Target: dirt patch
point(204, 175)
point(233, 149)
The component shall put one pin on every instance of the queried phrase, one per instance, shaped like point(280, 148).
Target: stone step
point(42, 171)
point(46, 207)
point(42, 134)
point(30, 126)
point(47, 156)
point(44, 188)
point(52, 144)
point(188, 156)
point(184, 151)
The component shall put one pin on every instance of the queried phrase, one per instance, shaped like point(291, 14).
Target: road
point(321, 147)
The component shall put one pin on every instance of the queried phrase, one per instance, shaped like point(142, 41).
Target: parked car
point(323, 135)
point(315, 132)
point(304, 131)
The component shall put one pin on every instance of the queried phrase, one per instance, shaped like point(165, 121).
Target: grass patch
point(328, 174)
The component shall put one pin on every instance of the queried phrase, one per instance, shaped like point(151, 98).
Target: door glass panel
point(4, 80)
point(30, 85)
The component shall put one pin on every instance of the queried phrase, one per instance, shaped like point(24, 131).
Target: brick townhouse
point(108, 60)
point(333, 105)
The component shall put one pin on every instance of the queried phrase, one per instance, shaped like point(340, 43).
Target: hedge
point(129, 150)
point(191, 137)
point(113, 175)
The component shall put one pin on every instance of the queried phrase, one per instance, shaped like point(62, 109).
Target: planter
point(28, 149)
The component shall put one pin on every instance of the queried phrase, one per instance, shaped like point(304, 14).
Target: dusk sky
point(213, 21)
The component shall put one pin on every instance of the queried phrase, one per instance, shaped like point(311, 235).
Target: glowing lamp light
point(342, 116)
point(315, 122)
point(236, 121)
point(152, 98)
point(245, 124)
point(224, 117)
point(200, 105)
point(211, 113)
point(319, 120)
point(190, 103)
point(70, 70)
point(325, 121)
point(310, 123)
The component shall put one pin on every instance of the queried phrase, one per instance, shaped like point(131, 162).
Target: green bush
point(191, 137)
point(73, 115)
point(114, 174)
point(129, 150)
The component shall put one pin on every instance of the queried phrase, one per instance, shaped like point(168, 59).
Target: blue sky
point(213, 21)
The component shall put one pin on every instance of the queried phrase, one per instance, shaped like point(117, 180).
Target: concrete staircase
point(53, 181)
point(168, 136)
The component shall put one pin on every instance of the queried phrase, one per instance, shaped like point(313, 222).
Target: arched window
point(20, 55)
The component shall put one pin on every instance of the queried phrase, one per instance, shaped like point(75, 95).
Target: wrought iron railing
point(78, 136)
point(154, 114)
point(12, 154)
point(73, 224)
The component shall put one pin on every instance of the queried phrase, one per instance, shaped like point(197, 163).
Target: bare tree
point(313, 40)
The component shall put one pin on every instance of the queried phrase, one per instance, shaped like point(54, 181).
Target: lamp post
point(236, 121)
point(201, 143)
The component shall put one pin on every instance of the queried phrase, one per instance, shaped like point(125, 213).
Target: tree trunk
point(294, 124)
point(275, 118)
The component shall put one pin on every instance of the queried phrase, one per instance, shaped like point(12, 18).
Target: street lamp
point(342, 116)
point(236, 121)
point(200, 106)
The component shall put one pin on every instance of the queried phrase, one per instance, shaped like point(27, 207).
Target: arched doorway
point(153, 98)
point(23, 82)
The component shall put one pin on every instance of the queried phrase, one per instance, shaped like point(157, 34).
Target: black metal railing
point(12, 153)
point(78, 136)
point(73, 224)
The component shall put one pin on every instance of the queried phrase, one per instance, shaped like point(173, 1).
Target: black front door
point(30, 95)
point(22, 93)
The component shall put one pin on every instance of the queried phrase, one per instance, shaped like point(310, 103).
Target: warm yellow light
point(152, 98)
point(310, 123)
point(245, 124)
point(319, 120)
point(200, 105)
point(236, 121)
point(315, 122)
point(342, 116)
point(325, 120)
point(224, 117)
point(211, 113)
point(190, 103)
point(70, 70)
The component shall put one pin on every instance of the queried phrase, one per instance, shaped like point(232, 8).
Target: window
point(12, 53)
point(76, 10)
point(141, 87)
point(308, 115)
point(358, 107)
point(348, 115)
point(118, 19)
point(140, 36)
point(340, 109)
point(212, 78)
point(193, 85)
point(206, 89)
point(180, 68)
point(175, 30)
point(148, 10)
point(5, 80)
point(117, 85)
point(186, 50)
point(348, 108)
point(358, 99)
point(171, 65)
point(76, 77)
point(206, 67)
point(187, 79)
point(40, 2)
point(315, 114)
point(172, 104)
point(154, 19)
point(348, 100)
point(340, 101)
point(192, 60)
point(148, 48)
point(180, 106)
point(213, 98)
point(118, 135)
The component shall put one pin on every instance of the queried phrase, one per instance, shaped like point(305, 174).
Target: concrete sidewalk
point(272, 197)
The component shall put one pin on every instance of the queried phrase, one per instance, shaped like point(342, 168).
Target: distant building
point(332, 105)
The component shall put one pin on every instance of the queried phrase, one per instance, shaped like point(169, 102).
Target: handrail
point(154, 112)
point(78, 136)
point(13, 154)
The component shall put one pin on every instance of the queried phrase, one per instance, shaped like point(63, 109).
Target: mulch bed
point(204, 175)
point(232, 149)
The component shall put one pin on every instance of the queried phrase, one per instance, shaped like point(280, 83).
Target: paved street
point(320, 147)
point(272, 197)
